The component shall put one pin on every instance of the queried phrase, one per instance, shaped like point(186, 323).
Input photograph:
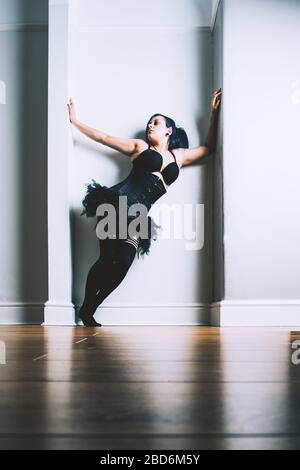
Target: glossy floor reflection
point(149, 388)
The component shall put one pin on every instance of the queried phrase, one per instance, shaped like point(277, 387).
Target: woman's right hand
point(71, 109)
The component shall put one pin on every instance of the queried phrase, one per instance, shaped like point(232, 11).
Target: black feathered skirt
point(97, 194)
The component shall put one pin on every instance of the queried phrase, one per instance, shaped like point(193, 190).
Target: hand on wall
point(71, 109)
point(216, 99)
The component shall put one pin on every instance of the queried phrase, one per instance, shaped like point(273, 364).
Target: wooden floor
point(160, 387)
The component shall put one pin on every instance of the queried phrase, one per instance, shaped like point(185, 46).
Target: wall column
point(59, 308)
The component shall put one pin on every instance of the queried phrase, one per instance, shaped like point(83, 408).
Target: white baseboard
point(59, 314)
point(256, 313)
point(283, 313)
point(152, 315)
point(21, 313)
point(62, 314)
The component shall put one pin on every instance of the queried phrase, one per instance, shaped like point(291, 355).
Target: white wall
point(261, 162)
point(23, 137)
point(129, 60)
point(113, 56)
point(142, 13)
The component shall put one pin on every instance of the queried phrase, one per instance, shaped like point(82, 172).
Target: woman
point(156, 163)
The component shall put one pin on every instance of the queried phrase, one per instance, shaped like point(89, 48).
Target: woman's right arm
point(126, 146)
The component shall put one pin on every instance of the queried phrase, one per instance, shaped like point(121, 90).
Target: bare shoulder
point(140, 145)
point(179, 154)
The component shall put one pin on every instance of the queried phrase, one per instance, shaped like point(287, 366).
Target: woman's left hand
point(216, 99)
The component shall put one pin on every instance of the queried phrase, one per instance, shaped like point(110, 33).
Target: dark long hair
point(178, 138)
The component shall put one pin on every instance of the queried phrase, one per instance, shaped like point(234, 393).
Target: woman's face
point(157, 130)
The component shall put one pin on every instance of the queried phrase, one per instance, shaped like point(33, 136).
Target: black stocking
point(116, 257)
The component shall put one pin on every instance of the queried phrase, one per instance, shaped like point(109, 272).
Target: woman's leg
point(95, 278)
point(123, 259)
point(116, 257)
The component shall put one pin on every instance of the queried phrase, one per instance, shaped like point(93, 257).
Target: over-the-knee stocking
point(107, 273)
point(118, 269)
point(98, 274)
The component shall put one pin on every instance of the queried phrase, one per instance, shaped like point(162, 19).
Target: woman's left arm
point(193, 155)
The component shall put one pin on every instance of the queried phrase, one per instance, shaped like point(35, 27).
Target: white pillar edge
point(60, 312)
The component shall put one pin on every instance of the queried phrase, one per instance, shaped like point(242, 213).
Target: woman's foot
point(88, 320)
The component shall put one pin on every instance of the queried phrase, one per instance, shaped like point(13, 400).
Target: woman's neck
point(160, 148)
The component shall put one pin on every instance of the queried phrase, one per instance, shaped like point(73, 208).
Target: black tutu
point(97, 194)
